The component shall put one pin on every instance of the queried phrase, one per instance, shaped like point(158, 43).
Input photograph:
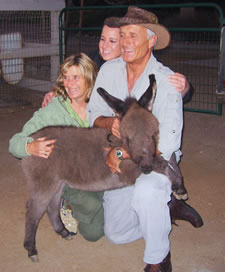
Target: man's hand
point(41, 147)
point(47, 99)
point(180, 82)
point(111, 123)
point(112, 159)
point(116, 127)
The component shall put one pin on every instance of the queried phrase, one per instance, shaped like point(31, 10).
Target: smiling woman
point(72, 92)
point(68, 108)
point(75, 85)
point(109, 47)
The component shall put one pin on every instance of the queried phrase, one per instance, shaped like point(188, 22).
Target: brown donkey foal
point(79, 160)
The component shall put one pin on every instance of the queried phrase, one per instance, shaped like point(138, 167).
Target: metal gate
point(194, 50)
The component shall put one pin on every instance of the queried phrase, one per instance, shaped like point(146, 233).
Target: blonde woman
point(72, 91)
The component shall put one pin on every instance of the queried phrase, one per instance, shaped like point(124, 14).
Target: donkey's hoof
point(184, 197)
point(34, 258)
point(180, 196)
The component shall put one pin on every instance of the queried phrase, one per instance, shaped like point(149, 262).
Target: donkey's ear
point(147, 99)
point(117, 105)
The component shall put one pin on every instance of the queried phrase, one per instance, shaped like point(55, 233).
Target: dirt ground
point(193, 250)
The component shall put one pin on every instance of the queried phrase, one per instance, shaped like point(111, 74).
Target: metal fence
point(29, 57)
point(32, 41)
point(194, 50)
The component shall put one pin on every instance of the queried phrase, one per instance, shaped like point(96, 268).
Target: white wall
point(49, 5)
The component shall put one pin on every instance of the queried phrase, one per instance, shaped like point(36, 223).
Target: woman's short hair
point(112, 22)
point(88, 70)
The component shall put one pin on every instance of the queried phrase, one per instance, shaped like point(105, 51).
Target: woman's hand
point(112, 159)
point(47, 99)
point(41, 147)
point(180, 82)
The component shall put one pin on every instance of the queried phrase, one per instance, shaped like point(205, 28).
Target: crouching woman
point(72, 92)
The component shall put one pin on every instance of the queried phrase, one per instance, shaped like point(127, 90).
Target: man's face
point(134, 44)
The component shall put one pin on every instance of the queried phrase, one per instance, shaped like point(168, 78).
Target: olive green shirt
point(58, 112)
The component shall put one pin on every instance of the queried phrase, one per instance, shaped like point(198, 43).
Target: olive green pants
point(87, 208)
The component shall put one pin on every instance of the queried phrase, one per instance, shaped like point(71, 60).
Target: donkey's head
point(139, 127)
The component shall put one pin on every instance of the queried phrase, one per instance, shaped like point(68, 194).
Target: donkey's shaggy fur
point(79, 157)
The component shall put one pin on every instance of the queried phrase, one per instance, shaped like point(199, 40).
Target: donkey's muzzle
point(146, 169)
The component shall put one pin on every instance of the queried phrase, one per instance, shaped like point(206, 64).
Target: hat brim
point(161, 31)
point(162, 34)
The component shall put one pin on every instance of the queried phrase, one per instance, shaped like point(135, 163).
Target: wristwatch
point(119, 153)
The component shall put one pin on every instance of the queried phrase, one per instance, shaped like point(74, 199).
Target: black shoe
point(164, 266)
point(180, 210)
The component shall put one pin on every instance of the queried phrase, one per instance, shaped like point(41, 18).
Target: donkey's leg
point(179, 190)
point(54, 215)
point(36, 207)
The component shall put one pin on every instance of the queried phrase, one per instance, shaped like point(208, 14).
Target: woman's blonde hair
point(88, 70)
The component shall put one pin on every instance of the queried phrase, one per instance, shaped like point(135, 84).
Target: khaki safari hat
point(142, 17)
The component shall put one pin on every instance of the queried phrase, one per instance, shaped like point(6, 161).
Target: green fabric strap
point(82, 123)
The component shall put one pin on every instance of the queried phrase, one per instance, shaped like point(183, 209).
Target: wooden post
point(54, 42)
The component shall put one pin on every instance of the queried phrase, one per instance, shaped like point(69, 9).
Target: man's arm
point(168, 109)
point(111, 123)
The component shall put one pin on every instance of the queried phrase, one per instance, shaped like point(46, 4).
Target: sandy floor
point(193, 250)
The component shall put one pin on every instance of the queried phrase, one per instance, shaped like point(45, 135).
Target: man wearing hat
point(143, 210)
